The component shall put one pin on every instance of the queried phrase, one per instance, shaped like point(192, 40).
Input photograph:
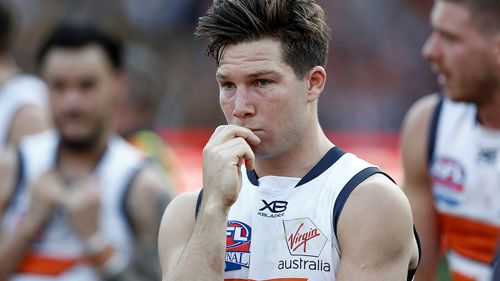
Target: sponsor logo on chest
point(305, 242)
point(274, 209)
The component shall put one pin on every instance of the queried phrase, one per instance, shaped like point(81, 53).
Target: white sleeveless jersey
point(17, 92)
point(58, 252)
point(465, 171)
point(284, 229)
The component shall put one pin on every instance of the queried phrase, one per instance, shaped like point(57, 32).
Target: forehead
point(87, 60)
point(450, 16)
point(253, 56)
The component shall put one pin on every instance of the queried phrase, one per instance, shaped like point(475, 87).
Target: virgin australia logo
point(303, 237)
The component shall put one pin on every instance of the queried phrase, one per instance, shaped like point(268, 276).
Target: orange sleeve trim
point(43, 265)
point(472, 239)
point(456, 276)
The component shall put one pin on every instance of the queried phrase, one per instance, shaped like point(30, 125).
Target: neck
point(79, 163)
point(300, 159)
point(488, 112)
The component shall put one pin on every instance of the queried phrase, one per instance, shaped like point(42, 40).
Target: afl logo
point(448, 178)
point(238, 239)
point(238, 236)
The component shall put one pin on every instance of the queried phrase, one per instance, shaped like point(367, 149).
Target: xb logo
point(275, 206)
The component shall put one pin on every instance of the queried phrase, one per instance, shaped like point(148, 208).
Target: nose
point(70, 99)
point(431, 50)
point(243, 104)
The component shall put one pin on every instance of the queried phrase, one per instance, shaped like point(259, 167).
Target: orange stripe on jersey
point(471, 239)
point(38, 264)
point(275, 279)
point(455, 276)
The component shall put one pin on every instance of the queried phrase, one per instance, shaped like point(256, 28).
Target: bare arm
point(149, 197)
point(414, 143)
point(199, 256)
point(13, 245)
point(28, 119)
point(375, 233)
point(180, 239)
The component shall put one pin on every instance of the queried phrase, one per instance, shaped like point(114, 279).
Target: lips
point(442, 79)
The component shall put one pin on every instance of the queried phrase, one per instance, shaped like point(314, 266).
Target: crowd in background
point(375, 67)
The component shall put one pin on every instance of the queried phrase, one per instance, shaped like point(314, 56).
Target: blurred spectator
point(85, 205)
point(137, 111)
point(375, 60)
point(22, 96)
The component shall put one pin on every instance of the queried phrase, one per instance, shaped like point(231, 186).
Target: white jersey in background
point(465, 170)
point(17, 92)
point(58, 252)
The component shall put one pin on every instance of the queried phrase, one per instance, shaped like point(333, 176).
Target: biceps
point(373, 267)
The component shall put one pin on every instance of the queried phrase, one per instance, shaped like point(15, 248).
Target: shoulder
point(376, 211)
point(177, 223)
point(181, 213)
point(416, 135)
point(376, 196)
point(28, 119)
point(375, 233)
point(183, 205)
point(421, 112)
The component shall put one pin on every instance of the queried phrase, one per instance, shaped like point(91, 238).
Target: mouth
point(442, 79)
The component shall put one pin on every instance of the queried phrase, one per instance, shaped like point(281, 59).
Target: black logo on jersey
point(277, 208)
point(487, 155)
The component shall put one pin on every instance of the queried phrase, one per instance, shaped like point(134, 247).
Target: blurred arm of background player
point(13, 245)
point(417, 183)
point(30, 117)
point(146, 202)
point(27, 120)
point(148, 199)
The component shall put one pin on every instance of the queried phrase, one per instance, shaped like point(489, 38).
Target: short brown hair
point(300, 25)
point(486, 13)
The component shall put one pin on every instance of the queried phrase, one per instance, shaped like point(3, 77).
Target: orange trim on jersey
point(456, 276)
point(274, 279)
point(39, 264)
point(471, 239)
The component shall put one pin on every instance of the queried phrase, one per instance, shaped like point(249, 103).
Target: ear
point(316, 79)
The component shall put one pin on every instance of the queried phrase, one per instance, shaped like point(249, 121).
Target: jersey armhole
point(134, 173)
point(19, 178)
point(433, 130)
point(198, 204)
point(347, 190)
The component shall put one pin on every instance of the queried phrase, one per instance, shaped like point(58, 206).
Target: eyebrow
point(222, 76)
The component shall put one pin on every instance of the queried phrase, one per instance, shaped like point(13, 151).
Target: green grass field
point(443, 273)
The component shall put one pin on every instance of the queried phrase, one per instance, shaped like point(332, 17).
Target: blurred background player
point(22, 97)
point(85, 204)
point(137, 111)
point(451, 143)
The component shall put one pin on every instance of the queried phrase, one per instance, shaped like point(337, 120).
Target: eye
point(57, 85)
point(263, 82)
point(88, 84)
point(228, 85)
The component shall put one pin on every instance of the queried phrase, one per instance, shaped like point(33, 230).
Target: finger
point(227, 132)
point(236, 150)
